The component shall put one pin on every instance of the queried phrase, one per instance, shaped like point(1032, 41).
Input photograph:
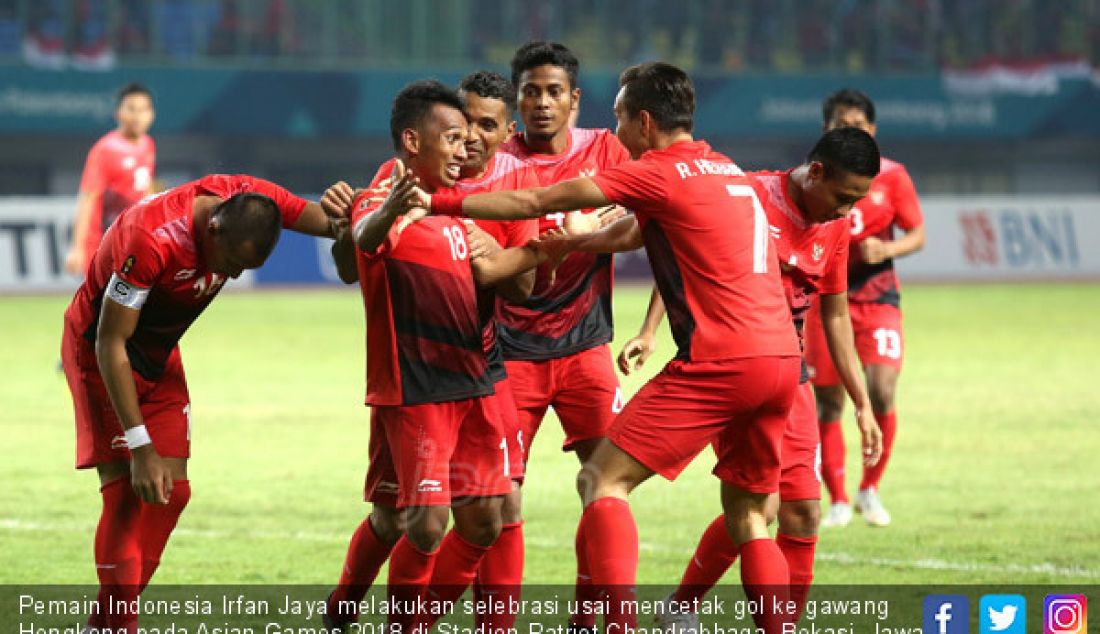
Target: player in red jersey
point(806, 208)
point(117, 174)
point(489, 103)
point(874, 301)
point(736, 372)
point(158, 268)
point(556, 343)
point(428, 378)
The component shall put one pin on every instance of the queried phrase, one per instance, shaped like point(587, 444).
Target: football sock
point(611, 538)
point(156, 524)
point(118, 554)
point(456, 565)
point(889, 425)
point(500, 577)
point(410, 572)
point(765, 577)
point(584, 591)
point(713, 556)
point(366, 554)
point(832, 460)
point(799, 552)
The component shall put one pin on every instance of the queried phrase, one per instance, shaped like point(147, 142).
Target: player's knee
point(426, 527)
point(829, 407)
point(387, 523)
point(800, 518)
point(481, 529)
point(881, 393)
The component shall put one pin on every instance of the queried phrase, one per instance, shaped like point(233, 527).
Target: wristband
point(137, 436)
point(447, 203)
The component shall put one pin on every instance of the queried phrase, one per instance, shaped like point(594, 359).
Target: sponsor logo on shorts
point(119, 442)
point(185, 274)
point(388, 487)
point(617, 403)
point(429, 486)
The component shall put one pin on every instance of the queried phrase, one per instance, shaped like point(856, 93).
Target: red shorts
point(740, 404)
point(582, 388)
point(164, 403)
point(801, 475)
point(381, 486)
point(441, 451)
point(878, 336)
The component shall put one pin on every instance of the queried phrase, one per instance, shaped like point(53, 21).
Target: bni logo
point(946, 614)
point(1003, 613)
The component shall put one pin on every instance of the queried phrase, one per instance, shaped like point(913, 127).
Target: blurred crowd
point(751, 35)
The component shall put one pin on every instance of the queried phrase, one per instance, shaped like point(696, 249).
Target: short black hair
point(414, 102)
point(250, 218)
point(132, 88)
point(849, 150)
point(490, 85)
point(847, 98)
point(540, 53)
point(662, 90)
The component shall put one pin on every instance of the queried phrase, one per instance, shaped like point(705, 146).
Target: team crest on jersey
point(877, 196)
point(129, 162)
point(128, 264)
point(185, 274)
point(818, 252)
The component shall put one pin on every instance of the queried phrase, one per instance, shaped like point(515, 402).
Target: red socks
point(714, 555)
point(611, 545)
point(456, 565)
point(366, 554)
point(118, 555)
point(799, 552)
point(832, 460)
point(584, 591)
point(410, 572)
point(500, 578)
point(889, 425)
point(157, 523)
point(765, 576)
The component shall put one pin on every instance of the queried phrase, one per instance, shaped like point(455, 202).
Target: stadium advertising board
point(969, 239)
point(1007, 238)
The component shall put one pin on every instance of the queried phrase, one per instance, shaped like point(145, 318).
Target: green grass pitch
point(994, 478)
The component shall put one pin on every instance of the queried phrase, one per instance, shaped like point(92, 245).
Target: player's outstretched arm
point(149, 475)
point(343, 254)
point(641, 346)
point(511, 271)
point(874, 250)
point(622, 235)
point(578, 193)
point(842, 348)
point(372, 229)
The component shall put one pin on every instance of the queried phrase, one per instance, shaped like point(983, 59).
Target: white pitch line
point(846, 559)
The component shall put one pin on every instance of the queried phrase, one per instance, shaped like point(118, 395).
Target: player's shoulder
point(889, 168)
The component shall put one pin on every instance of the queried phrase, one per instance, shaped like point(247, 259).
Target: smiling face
point(546, 101)
point(828, 197)
point(490, 125)
point(437, 147)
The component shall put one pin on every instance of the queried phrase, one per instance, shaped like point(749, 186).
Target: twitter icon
point(1003, 614)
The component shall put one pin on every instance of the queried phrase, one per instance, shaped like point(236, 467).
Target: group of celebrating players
point(484, 258)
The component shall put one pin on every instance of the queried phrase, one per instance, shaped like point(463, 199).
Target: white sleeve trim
point(126, 294)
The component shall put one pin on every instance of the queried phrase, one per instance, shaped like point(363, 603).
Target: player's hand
point(405, 195)
point(150, 476)
point(74, 261)
point(555, 245)
point(870, 435)
point(337, 199)
point(480, 242)
point(873, 250)
point(578, 222)
point(637, 350)
point(609, 214)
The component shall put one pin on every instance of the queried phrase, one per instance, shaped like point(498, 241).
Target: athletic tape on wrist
point(137, 436)
point(447, 203)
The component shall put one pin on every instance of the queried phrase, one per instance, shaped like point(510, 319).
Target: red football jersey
point(424, 337)
point(892, 200)
point(574, 313)
point(706, 236)
point(504, 172)
point(812, 257)
point(149, 260)
point(120, 172)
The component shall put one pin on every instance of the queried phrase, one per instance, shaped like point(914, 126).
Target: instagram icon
point(1065, 614)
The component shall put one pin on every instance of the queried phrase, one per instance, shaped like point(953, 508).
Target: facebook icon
point(946, 614)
